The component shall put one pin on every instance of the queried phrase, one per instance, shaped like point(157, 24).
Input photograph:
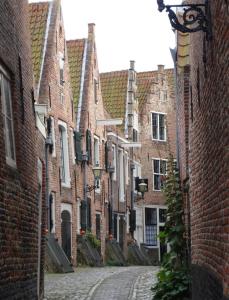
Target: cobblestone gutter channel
point(113, 283)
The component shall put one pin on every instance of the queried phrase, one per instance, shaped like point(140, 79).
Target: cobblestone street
point(108, 283)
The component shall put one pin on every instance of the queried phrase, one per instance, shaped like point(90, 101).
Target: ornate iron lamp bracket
point(195, 17)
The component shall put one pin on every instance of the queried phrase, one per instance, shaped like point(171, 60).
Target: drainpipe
point(132, 167)
point(84, 161)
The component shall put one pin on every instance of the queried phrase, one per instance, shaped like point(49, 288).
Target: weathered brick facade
point(206, 137)
point(53, 90)
point(156, 96)
point(18, 183)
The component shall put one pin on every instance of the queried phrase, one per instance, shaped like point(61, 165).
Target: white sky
point(125, 30)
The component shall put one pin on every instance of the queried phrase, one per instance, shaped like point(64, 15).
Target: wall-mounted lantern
point(193, 17)
point(97, 171)
point(141, 185)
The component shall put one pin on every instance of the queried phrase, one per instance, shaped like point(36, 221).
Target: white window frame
point(158, 126)
point(10, 160)
point(126, 157)
point(62, 98)
point(53, 137)
point(96, 158)
point(72, 146)
point(67, 179)
point(114, 162)
point(160, 174)
point(158, 226)
point(121, 175)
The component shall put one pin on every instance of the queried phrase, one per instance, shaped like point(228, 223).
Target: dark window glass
point(162, 215)
point(155, 125)
point(161, 127)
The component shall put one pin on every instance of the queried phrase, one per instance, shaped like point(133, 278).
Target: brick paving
point(113, 283)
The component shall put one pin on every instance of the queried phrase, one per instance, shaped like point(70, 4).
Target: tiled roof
point(75, 50)
point(114, 92)
point(38, 16)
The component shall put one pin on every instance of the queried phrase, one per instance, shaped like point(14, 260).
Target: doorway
point(66, 233)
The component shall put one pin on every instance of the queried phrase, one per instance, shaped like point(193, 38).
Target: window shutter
point(83, 210)
point(88, 145)
point(77, 142)
point(110, 218)
point(133, 220)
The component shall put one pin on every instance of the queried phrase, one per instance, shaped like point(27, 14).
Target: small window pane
point(155, 125)
point(162, 215)
point(161, 127)
point(156, 166)
point(163, 166)
point(157, 182)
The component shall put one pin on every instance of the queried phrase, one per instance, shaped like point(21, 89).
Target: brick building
point(156, 96)
point(53, 94)
point(21, 197)
point(202, 106)
point(91, 137)
point(119, 96)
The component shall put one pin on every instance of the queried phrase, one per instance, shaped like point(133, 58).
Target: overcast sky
point(125, 30)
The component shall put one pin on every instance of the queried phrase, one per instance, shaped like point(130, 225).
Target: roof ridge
point(102, 73)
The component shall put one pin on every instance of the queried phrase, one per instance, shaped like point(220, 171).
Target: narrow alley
point(113, 283)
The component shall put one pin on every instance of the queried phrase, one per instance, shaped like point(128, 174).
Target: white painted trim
point(44, 49)
point(118, 137)
point(68, 207)
point(154, 158)
point(109, 122)
point(131, 145)
point(158, 225)
point(83, 70)
point(114, 161)
point(121, 175)
point(67, 182)
point(151, 125)
point(53, 137)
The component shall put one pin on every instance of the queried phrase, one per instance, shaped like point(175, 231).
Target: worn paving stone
point(113, 283)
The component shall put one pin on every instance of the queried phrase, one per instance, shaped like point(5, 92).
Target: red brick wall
point(50, 92)
point(157, 149)
point(18, 187)
point(208, 161)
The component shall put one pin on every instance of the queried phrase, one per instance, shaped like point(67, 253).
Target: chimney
point(132, 63)
point(91, 28)
point(160, 68)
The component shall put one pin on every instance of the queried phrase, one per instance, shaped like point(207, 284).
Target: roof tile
point(38, 16)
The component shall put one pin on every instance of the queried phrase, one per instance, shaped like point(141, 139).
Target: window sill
point(66, 184)
point(11, 163)
point(162, 141)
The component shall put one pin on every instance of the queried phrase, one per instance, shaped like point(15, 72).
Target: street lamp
point(196, 17)
point(143, 187)
point(97, 171)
